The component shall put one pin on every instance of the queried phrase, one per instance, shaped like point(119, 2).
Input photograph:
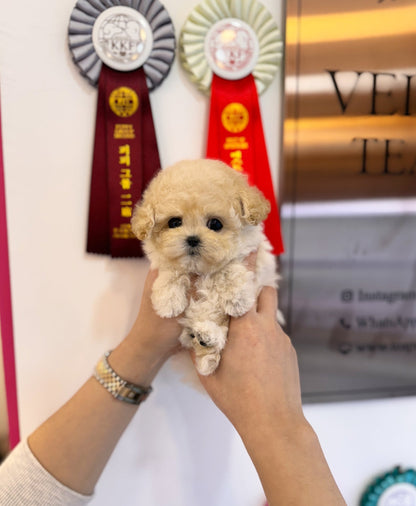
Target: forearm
point(75, 443)
point(292, 466)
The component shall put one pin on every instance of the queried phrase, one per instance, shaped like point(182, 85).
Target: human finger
point(251, 260)
point(150, 279)
point(267, 300)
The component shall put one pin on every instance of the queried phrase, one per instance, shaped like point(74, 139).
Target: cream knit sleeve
point(24, 482)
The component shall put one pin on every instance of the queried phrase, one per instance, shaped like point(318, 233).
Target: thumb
point(250, 261)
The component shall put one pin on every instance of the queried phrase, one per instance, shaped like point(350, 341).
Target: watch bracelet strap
point(118, 387)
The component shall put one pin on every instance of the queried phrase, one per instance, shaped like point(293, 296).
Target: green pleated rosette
point(376, 493)
point(205, 15)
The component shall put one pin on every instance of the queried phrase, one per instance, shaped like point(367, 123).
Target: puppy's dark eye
point(175, 222)
point(214, 224)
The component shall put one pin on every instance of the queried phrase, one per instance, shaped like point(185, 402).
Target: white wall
point(69, 307)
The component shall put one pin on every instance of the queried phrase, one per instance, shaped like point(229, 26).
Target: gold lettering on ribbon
point(124, 131)
point(123, 232)
point(236, 160)
point(235, 118)
point(126, 203)
point(124, 151)
point(125, 179)
point(236, 144)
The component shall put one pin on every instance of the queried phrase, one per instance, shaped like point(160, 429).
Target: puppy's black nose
point(193, 240)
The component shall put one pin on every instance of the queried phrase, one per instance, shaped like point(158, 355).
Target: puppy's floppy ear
point(143, 220)
point(252, 206)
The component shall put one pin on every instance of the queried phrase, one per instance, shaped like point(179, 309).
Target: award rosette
point(126, 49)
point(396, 487)
point(233, 49)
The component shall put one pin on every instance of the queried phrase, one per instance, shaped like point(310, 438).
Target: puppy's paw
point(207, 340)
point(169, 300)
point(206, 364)
point(168, 307)
point(187, 338)
point(236, 290)
point(240, 305)
point(208, 335)
point(169, 294)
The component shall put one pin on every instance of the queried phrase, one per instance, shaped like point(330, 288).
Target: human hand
point(257, 381)
point(150, 342)
point(152, 331)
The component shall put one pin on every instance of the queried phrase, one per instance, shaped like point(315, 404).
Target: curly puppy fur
point(198, 220)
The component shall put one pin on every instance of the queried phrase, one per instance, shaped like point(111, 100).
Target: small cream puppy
point(199, 220)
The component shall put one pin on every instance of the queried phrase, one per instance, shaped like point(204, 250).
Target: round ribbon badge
point(124, 37)
point(232, 39)
point(235, 117)
point(123, 102)
point(126, 50)
point(233, 49)
point(395, 488)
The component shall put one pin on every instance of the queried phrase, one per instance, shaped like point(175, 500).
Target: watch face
point(231, 48)
point(122, 38)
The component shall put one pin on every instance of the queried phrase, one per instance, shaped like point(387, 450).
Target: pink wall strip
point(6, 318)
